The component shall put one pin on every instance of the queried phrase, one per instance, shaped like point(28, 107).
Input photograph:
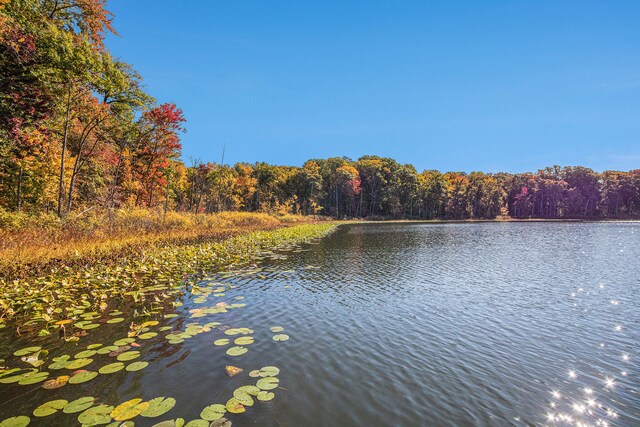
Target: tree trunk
point(19, 192)
point(64, 149)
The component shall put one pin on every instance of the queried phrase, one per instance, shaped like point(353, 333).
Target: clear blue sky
point(452, 85)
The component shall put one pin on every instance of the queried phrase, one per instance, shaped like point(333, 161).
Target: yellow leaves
point(129, 409)
point(232, 370)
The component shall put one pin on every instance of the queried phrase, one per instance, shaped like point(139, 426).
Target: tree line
point(78, 130)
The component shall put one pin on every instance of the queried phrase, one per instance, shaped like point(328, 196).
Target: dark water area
point(402, 324)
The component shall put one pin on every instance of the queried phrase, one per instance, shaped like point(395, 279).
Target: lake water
point(408, 324)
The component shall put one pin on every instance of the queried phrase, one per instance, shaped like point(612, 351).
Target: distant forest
point(78, 131)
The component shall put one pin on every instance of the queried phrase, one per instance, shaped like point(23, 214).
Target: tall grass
point(33, 244)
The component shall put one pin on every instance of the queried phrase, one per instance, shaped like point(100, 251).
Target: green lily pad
point(111, 368)
point(78, 405)
point(269, 371)
point(137, 366)
point(197, 423)
point(49, 408)
point(249, 389)
point(276, 329)
point(243, 397)
point(123, 341)
point(129, 409)
point(268, 383)
point(254, 374)
point(115, 320)
point(221, 341)
point(128, 355)
point(78, 363)
point(159, 406)
point(108, 349)
point(26, 350)
point(147, 335)
point(96, 415)
point(213, 412)
point(20, 421)
point(93, 346)
point(281, 337)
point(84, 354)
point(83, 377)
point(33, 378)
point(237, 351)
point(265, 396)
point(234, 406)
point(243, 341)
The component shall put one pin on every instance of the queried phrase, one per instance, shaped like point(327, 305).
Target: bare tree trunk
point(64, 150)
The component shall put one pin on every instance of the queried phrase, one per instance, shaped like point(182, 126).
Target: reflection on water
point(408, 324)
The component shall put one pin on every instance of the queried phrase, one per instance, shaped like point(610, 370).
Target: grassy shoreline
point(148, 279)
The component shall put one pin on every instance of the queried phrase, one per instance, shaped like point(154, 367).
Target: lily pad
point(123, 341)
point(20, 421)
point(234, 406)
point(49, 408)
point(254, 374)
point(222, 422)
point(276, 329)
point(26, 350)
point(56, 382)
point(249, 389)
point(243, 397)
point(221, 341)
point(83, 377)
point(197, 423)
point(108, 349)
point(159, 406)
point(116, 320)
point(136, 366)
point(237, 351)
point(147, 335)
point(281, 337)
point(268, 383)
point(96, 415)
point(243, 341)
point(85, 354)
point(111, 368)
point(33, 378)
point(269, 371)
point(128, 355)
point(129, 409)
point(213, 412)
point(78, 405)
point(78, 363)
point(265, 396)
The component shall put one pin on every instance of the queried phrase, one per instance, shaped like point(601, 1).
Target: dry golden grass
point(36, 245)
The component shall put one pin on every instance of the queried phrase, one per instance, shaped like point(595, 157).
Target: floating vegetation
point(281, 337)
point(71, 305)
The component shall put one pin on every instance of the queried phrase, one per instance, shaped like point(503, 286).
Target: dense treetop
point(77, 130)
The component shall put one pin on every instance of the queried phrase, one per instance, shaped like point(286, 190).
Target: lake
point(400, 324)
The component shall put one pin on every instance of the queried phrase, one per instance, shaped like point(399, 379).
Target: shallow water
point(405, 324)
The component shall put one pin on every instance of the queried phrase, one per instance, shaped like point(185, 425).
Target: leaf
point(129, 409)
point(243, 397)
point(268, 383)
point(254, 374)
point(129, 355)
point(78, 363)
point(281, 337)
point(83, 377)
point(276, 329)
point(33, 378)
point(79, 405)
point(56, 382)
point(232, 370)
point(269, 371)
point(197, 423)
point(49, 408)
point(26, 350)
point(249, 389)
point(159, 406)
point(111, 368)
point(96, 415)
point(221, 341)
point(108, 349)
point(123, 341)
point(265, 396)
point(243, 341)
point(85, 354)
point(20, 421)
point(136, 366)
point(147, 335)
point(234, 406)
point(237, 351)
point(222, 422)
point(213, 412)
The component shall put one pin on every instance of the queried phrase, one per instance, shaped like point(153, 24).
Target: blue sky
point(450, 85)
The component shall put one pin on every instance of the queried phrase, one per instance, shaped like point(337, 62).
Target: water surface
point(411, 324)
